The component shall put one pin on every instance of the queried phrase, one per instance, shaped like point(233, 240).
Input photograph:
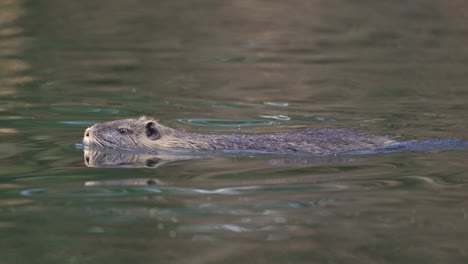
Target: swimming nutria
point(147, 134)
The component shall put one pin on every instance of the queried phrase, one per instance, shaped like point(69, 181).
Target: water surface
point(396, 68)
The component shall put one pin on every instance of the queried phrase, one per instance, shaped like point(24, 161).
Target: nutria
point(147, 134)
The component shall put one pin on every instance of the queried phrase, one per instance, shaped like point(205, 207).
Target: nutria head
point(126, 133)
point(142, 133)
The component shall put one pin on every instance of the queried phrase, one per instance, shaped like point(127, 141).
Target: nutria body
point(147, 134)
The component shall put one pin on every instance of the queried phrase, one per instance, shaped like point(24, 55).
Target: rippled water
point(396, 68)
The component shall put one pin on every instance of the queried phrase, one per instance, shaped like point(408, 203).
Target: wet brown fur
point(313, 141)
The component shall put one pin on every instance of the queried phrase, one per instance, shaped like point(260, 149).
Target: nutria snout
point(148, 134)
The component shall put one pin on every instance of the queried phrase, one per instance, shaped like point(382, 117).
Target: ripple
point(225, 122)
point(78, 122)
point(221, 191)
point(96, 229)
point(233, 228)
point(107, 191)
point(321, 118)
point(253, 44)
point(381, 184)
point(277, 117)
point(231, 59)
point(194, 103)
point(90, 109)
point(429, 181)
point(77, 192)
point(91, 191)
point(228, 191)
point(307, 188)
point(276, 104)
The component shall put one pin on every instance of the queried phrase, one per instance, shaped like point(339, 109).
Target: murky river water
point(396, 68)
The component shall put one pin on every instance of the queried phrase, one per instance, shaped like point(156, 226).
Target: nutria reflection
point(113, 158)
point(126, 182)
point(110, 158)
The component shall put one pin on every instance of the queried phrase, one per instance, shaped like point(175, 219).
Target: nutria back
point(147, 134)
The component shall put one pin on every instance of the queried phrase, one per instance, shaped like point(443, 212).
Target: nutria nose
point(87, 131)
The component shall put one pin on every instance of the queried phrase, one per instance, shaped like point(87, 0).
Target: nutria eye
point(122, 130)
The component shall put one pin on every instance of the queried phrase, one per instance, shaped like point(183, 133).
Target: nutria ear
point(151, 131)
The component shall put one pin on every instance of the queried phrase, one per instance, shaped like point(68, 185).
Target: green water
point(396, 68)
